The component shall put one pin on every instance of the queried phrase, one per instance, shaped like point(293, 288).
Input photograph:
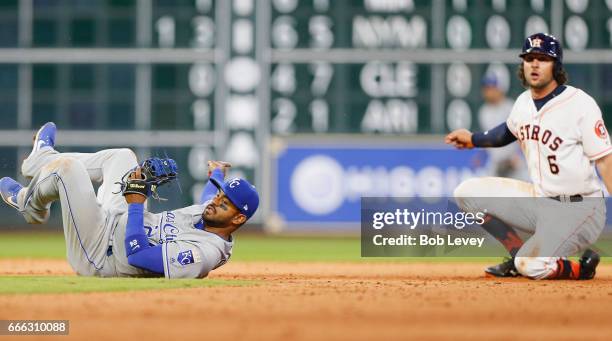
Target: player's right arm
point(217, 170)
point(460, 139)
point(210, 190)
point(496, 137)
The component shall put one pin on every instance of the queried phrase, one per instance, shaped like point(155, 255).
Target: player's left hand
point(135, 197)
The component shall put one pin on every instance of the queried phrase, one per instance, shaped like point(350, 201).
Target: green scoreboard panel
point(326, 95)
point(351, 87)
point(218, 78)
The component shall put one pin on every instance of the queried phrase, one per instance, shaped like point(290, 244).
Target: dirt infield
point(343, 301)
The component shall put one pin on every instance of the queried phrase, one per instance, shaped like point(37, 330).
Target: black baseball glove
point(154, 172)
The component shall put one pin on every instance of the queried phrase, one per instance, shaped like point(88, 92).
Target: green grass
point(32, 245)
point(74, 284)
point(268, 248)
point(318, 249)
point(247, 248)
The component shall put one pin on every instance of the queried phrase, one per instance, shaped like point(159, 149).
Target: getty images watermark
point(422, 227)
point(404, 218)
point(413, 227)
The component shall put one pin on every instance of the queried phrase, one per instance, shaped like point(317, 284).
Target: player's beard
point(211, 220)
point(212, 223)
point(542, 84)
point(544, 78)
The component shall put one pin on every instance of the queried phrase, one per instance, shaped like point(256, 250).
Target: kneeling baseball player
point(110, 234)
point(563, 137)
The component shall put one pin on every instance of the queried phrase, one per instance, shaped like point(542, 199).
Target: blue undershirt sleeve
point(210, 190)
point(137, 248)
point(149, 259)
point(497, 137)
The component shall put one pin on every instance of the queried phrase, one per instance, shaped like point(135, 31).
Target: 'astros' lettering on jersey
point(532, 132)
point(561, 141)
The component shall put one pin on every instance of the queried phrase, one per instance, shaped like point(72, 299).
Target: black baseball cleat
point(505, 269)
point(588, 263)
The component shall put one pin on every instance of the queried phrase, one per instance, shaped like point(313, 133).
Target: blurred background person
point(506, 161)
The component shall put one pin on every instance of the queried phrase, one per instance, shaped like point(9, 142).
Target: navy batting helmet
point(546, 44)
point(543, 43)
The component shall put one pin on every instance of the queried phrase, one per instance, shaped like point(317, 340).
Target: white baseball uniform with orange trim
point(561, 141)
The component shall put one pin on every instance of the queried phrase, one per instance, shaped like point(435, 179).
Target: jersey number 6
point(553, 166)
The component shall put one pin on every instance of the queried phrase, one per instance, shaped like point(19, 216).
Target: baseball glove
point(154, 172)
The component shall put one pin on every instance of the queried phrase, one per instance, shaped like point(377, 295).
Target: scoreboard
point(406, 67)
point(203, 79)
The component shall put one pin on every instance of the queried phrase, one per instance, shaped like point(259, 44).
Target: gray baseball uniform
point(94, 225)
point(188, 252)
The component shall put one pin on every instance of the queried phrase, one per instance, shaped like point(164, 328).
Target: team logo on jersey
point(185, 257)
point(188, 257)
point(600, 130)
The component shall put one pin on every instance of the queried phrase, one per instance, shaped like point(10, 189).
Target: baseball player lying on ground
point(111, 234)
point(562, 135)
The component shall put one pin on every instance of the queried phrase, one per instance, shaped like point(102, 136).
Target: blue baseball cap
point(490, 80)
point(241, 193)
